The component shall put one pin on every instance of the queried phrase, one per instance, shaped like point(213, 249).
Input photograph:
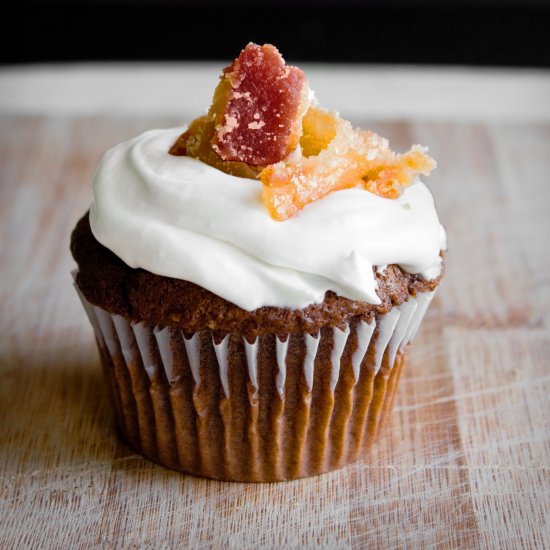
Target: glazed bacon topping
point(258, 106)
point(262, 125)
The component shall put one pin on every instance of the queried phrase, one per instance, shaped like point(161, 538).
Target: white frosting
point(178, 217)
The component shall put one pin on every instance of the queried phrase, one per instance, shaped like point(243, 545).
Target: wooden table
point(465, 460)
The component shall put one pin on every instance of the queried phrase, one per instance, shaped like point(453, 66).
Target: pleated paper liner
point(274, 409)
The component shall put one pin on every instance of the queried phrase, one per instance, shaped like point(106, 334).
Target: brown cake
point(219, 389)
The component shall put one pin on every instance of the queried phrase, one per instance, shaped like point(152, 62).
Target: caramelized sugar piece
point(258, 107)
point(318, 130)
point(289, 187)
point(195, 142)
point(351, 159)
point(388, 178)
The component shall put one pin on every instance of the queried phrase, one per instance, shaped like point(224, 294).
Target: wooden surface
point(464, 461)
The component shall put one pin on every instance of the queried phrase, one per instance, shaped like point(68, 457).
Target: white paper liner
point(282, 348)
point(142, 334)
point(423, 300)
point(395, 330)
point(222, 356)
point(364, 335)
point(340, 338)
point(285, 420)
point(252, 361)
point(407, 310)
point(163, 336)
point(125, 337)
point(192, 347)
point(386, 328)
point(312, 344)
point(105, 322)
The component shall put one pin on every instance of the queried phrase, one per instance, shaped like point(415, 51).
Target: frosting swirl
point(180, 218)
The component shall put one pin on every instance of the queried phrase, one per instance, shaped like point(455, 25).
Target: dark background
point(487, 32)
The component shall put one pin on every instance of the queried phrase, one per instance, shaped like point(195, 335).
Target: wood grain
point(464, 461)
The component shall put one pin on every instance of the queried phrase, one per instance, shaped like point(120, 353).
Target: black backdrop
point(490, 32)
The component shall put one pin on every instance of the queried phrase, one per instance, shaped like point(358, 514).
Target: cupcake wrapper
point(273, 409)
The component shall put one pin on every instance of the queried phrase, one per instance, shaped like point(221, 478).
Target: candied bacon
point(261, 125)
point(258, 106)
point(195, 142)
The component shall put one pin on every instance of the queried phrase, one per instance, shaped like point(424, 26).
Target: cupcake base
point(278, 408)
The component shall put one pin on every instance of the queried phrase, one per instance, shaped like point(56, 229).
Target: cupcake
point(255, 279)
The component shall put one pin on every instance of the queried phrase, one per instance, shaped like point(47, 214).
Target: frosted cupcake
point(255, 280)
